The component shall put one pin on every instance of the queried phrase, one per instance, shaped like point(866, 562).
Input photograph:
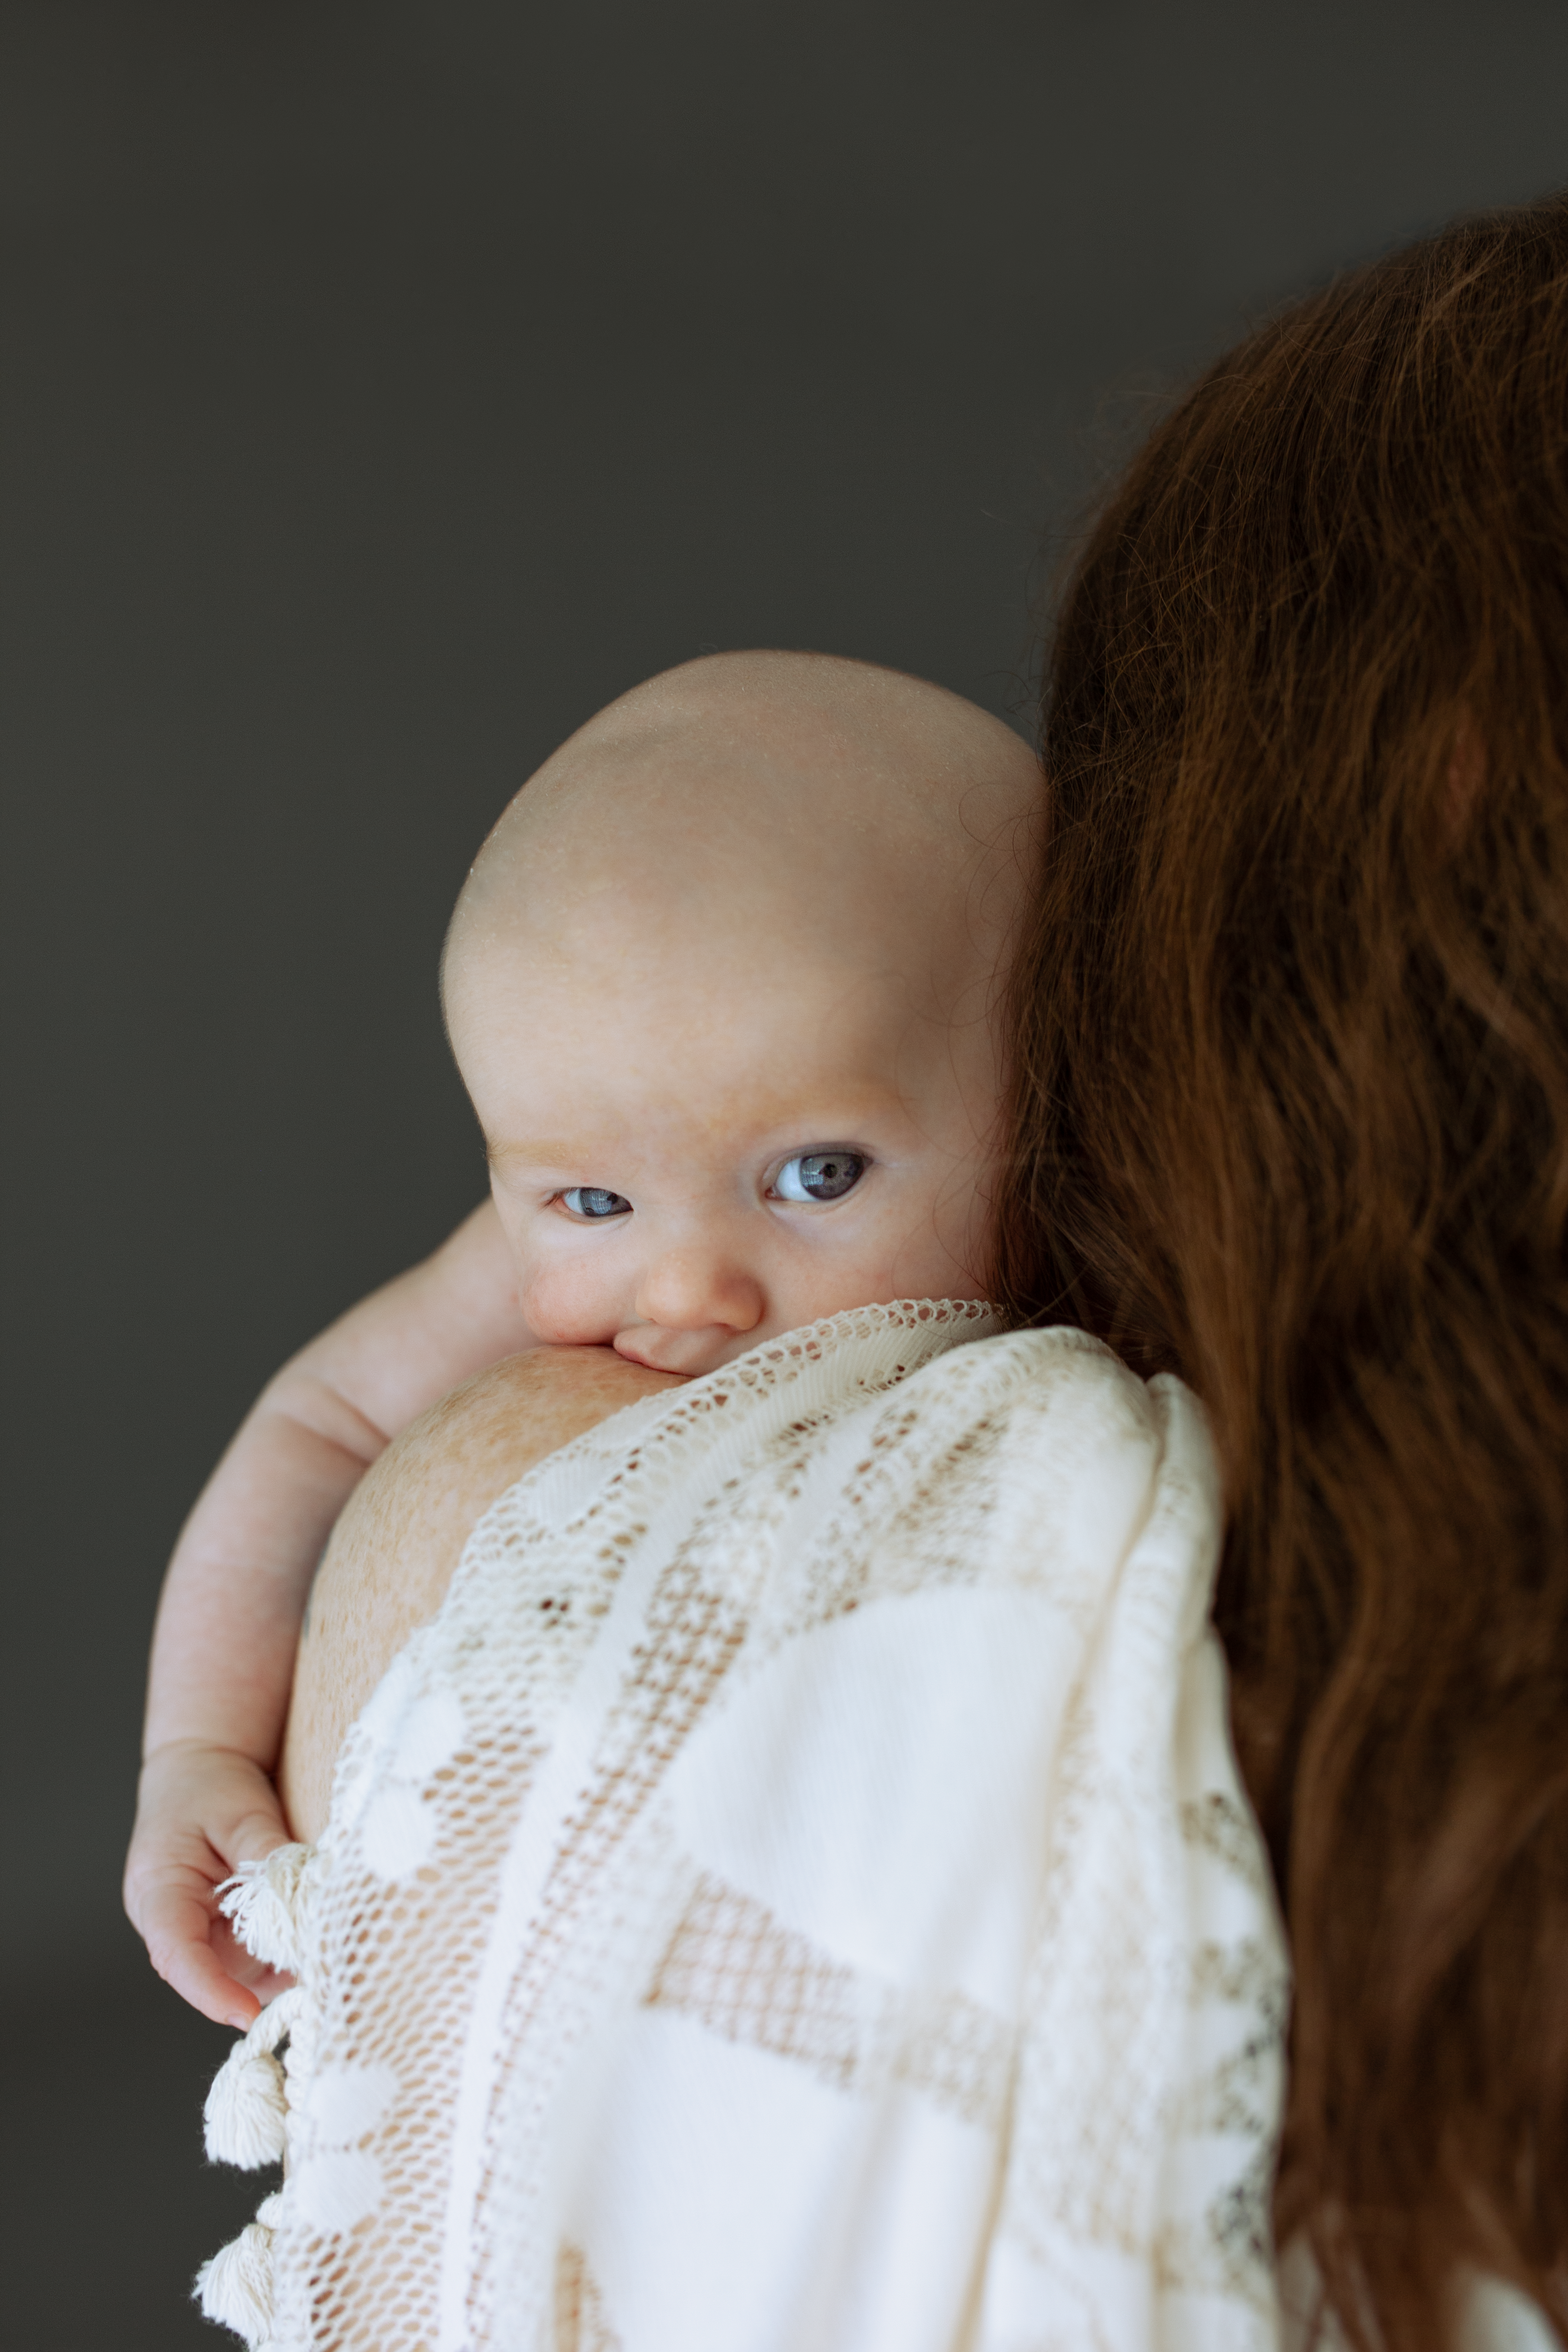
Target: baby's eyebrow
point(551, 1153)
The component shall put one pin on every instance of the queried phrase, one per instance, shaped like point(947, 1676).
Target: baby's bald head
point(768, 794)
point(746, 890)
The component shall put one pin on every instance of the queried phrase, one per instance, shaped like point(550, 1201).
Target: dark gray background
point(385, 387)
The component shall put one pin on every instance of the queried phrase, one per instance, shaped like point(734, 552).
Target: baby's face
point(695, 1146)
point(723, 987)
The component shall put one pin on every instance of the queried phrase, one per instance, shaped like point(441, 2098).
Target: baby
point(722, 986)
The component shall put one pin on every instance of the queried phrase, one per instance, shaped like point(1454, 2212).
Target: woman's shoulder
point(1063, 1356)
point(1059, 1380)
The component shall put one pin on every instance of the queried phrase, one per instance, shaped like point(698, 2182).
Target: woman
point(1293, 1089)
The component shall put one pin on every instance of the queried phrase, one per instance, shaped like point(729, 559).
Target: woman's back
point(1293, 1088)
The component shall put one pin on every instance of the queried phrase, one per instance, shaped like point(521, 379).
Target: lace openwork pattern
point(738, 1972)
point(568, 1828)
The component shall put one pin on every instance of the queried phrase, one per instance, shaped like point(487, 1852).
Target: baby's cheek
point(571, 1306)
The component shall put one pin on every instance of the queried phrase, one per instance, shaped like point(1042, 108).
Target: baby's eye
point(818, 1176)
point(592, 1201)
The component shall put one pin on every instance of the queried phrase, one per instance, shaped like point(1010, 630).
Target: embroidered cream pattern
point(736, 1970)
point(507, 1883)
point(580, 2322)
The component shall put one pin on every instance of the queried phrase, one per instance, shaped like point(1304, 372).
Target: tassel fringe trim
point(245, 2117)
point(262, 1900)
point(235, 2287)
point(247, 2107)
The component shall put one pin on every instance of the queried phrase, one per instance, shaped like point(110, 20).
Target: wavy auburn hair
point(1291, 1091)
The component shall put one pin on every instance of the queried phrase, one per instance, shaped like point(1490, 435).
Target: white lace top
point(797, 1895)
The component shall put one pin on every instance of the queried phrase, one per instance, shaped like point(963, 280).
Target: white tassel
point(246, 2109)
point(262, 1900)
point(235, 2287)
point(248, 2105)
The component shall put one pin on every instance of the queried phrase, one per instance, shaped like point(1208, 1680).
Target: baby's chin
point(690, 1352)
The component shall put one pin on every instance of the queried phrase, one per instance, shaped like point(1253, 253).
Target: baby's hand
point(201, 1811)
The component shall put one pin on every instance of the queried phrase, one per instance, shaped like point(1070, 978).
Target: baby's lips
point(662, 1350)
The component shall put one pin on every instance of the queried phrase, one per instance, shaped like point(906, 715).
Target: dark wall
point(387, 386)
point(384, 387)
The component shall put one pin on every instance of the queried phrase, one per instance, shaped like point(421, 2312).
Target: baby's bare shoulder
point(436, 1480)
point(402, 1533)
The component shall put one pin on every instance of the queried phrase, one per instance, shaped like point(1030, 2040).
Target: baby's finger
point(259, 1977)
point(252, 1834)
point(176, 1925)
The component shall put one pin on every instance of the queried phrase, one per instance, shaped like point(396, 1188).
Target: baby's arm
point(222, 1652)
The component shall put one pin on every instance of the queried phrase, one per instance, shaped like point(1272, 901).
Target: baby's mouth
point(663, 1350)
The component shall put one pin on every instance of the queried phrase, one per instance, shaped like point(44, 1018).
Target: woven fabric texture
point(798, 1895)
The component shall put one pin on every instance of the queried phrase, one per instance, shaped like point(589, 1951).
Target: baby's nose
point(693, 1289)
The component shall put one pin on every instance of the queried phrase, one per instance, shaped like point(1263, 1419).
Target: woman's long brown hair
point(1292, 1095)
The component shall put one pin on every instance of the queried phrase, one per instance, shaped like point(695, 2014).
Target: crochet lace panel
point(503, 1875)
